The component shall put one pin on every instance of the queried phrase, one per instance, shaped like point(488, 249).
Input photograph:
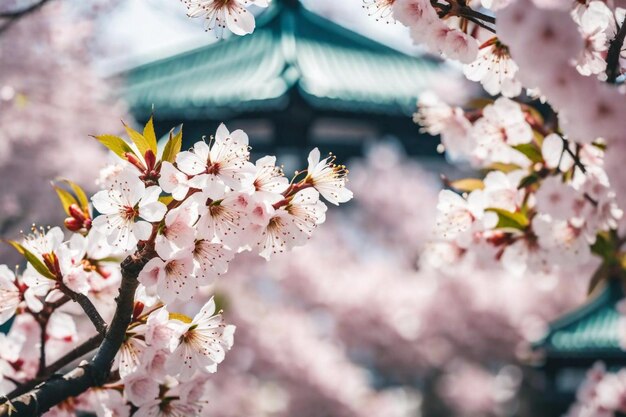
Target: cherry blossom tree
point(50, 101)
point(156, 248)
point(548, 142)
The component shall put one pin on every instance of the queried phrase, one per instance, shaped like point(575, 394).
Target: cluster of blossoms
point(546, 143)
point(186, 215)
point(544, 202)
point(601, 394)
point(220, 15)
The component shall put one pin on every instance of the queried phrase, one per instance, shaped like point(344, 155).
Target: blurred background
point(366, 320)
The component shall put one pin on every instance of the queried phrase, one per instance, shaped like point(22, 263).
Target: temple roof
point(292, 49)
point(591, 331)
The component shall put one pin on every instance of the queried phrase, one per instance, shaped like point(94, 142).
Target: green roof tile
point(590, 330)
point(330, 66)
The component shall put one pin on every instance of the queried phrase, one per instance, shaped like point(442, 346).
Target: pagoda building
point(297, 82)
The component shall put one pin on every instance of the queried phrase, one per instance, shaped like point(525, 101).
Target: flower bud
point(73, 224)
point(150, 158)
point(138, 309)
point(77, 213)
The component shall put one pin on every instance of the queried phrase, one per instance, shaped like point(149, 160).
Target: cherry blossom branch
point(613, 54)
point(43, 323)
point(95, 372)
point(88, 307)
point(63, 361)
point(481, 24)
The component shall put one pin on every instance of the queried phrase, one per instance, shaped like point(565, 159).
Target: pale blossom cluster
point(549, 48)
point(544, 200)
point(438, 35)
point(603, 393)
point(220, 15)
point(390, 323)
point(189, 213)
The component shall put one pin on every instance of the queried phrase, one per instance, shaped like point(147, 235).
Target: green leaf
point(479, 103)
point(528, 181)
point(598, 277)
point(80, 195)
point(467, 184)
point(32, 259)
point(530, 151)
point(602, 247)
point(115, 144)
point(66, 198)
point(173, 146)
point(498, 166)
point(150, 135)
point(509, 220)
point(142, 143)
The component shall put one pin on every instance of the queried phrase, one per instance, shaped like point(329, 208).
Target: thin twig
point(479, 23)
point(88, 307)
point(43, 323)
point(63, 361)
point(95, 372)
point(613, 54)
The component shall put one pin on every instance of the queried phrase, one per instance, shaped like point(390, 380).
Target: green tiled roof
point(331, 67)
point(591, 330)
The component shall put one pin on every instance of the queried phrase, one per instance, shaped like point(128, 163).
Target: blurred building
point(298, 81)
point(573, 343)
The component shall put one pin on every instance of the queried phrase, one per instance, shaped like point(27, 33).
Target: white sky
point(142, 30)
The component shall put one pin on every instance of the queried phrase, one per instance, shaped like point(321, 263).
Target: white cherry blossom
point(170, 279)
point(173, 181)
point(502, 126)
point(203, 344)
point(140, 388)
point(222, 162)
point(9, 294)
point(178, 232)
point(225, 14)
point(121, 207)
point(495, 70)
point(327, 178)
point(458, 217)
point(211, 260)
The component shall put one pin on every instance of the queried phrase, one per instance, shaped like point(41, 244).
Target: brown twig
point(95, 372)
point(87, 306)
point(613, 54)
point(63, 361)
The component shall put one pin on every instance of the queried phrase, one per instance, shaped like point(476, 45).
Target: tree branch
point(65, 360)
point(43, 323)
point(88, 307)
point(613, 54)
point(95, 372)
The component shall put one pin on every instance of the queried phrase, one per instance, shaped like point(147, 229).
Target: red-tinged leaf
point(80, 194)
point(32, 259)
point(67, 199)
point(150, 135)
point(137, 138)
point(173, 146)
point(115, 144)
